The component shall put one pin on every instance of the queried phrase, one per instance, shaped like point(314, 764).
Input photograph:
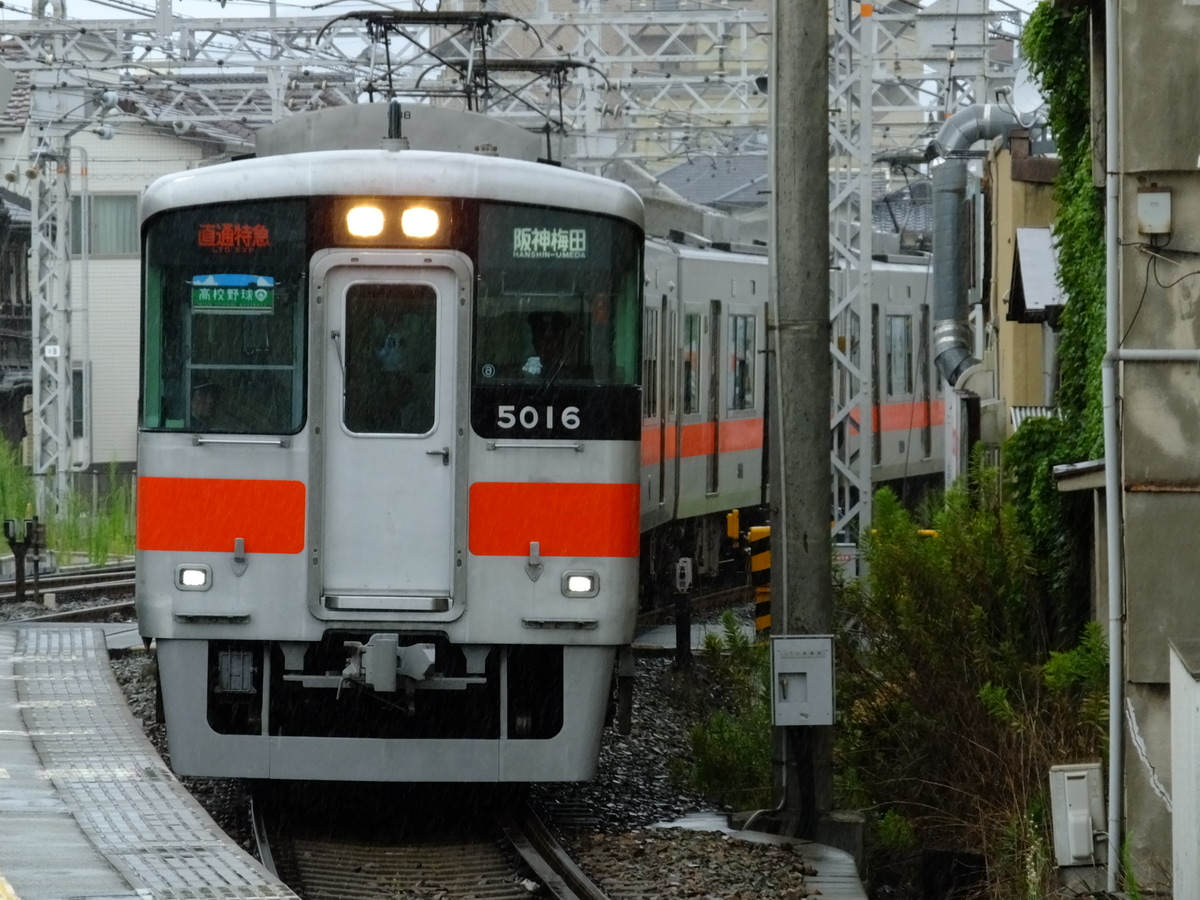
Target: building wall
point(1019, 346)
point(1160, 403)
point(124, 165)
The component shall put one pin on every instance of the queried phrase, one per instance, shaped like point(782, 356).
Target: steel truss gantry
point(897, 70)
point(650, 81)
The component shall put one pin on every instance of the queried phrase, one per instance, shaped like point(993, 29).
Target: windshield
point(558, 298)
point(224, 306)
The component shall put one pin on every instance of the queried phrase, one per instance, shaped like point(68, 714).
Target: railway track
point(74, 584)
point(699, 603)
point(412, 845)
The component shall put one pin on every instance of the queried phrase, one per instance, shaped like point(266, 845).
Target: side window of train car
point(650, 368)
point(692, 328)
point(224, 310)
point(899, 350)
point(742, 356)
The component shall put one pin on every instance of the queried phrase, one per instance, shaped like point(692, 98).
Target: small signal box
point(802, 680)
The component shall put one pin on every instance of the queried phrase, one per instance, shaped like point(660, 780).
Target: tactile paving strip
point(112, 780)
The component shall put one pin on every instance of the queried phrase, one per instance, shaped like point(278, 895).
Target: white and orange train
point(408, 417)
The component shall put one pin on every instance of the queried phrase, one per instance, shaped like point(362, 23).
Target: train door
point(389, 423)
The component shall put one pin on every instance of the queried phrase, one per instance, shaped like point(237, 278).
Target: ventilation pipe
point(951, 333)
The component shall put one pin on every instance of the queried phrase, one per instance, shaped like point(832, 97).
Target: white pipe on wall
point(1112, 449)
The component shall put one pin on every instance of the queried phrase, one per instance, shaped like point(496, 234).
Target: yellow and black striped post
point(760, 576)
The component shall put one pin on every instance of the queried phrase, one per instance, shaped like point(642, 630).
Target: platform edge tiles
point(88, 809)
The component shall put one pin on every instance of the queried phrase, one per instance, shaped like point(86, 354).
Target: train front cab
point(403, 549)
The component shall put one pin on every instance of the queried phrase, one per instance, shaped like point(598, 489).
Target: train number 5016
point(531, 417)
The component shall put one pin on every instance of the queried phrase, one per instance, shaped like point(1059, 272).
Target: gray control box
point(1077, 811)
point(802, 680)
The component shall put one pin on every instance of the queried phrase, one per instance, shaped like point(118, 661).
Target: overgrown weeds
point(731, 745)
point(97, 530)
point(953, 702)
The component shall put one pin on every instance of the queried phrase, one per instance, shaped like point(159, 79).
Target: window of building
point(113, 226)
point(78, 403)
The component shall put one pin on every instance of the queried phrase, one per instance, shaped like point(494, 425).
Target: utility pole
point(800, 479)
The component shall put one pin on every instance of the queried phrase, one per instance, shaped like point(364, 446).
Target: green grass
point(84, 528)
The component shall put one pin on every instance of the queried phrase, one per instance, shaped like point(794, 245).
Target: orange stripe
point(903, 416)
point(697, 440)
point(741, 434)
point(652, 444)
point(747, 434)
point(207, 514)
point(736, 434)
point(564, 519)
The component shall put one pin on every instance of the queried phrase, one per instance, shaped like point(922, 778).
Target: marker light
point(580, 584)
point(364, 221)
point(193, 577)
point(419, 222)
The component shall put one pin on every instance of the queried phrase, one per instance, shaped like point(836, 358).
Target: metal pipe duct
point(951, 334)
point(980, 122)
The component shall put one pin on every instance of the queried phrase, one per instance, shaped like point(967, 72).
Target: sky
point(120, 9)
point(207, 9)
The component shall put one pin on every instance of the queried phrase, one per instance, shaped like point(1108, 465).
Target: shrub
point(731, 746)
point(952, 707)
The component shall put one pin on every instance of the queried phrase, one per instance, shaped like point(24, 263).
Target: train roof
point(713, 251)
point(383, 172)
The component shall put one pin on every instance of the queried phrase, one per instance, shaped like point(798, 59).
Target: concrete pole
point(800, 476)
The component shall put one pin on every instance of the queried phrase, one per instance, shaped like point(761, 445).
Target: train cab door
point(391, 344)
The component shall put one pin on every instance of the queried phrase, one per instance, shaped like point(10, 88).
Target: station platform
point(88, 809)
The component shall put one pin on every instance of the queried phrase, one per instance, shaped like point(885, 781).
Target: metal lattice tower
point(850, 168)
point(51, 325)
point(896, 72)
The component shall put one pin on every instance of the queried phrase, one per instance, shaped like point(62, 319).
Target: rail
point(118, 578)
point(548, 859)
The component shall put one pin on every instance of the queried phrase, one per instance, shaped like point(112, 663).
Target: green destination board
point(233, 293)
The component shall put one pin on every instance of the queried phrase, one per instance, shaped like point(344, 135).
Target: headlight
point(193, 577)
point(580, 584)
point(364, 221)
point(419, 222)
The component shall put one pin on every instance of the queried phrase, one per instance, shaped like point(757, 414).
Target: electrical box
point(1154, 210)
point(802, 680)
point(1077, 810)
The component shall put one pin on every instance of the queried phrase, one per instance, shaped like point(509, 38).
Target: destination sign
point(245, 293)
point(228, 237)
point(549, 243)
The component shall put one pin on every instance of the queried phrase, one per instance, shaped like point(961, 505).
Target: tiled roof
point(721, 182)
point(15, 113)
point(16, 207)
